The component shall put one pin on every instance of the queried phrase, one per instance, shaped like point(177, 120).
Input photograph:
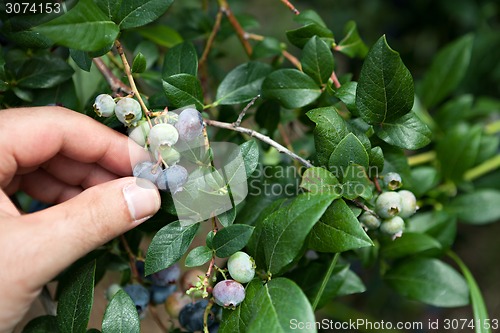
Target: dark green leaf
point(43, 72)
point(198, 256)
point(299, 37)
point(355, 183)
point(282, 234)
point(438, 224)
point(227, 218)
point(347, 94)
point(236, 321)
point(409, 244)
point(292, 88)
point(268, 47)
point(268, 115)
point(329, 131)
point(349, 151)
point(183, 89)
point(121, 315)
point(180, 59)
point(43, 324)
point(317, 60)
point(385, 87)
point(169, 245)
point(479, 207)
point(309, 16)
point(423, 179)
point(407, 132)
point(231, 239)
point(446, 71)
point(242, 83)
point(352, 45)
point(376, 156)
point(338, 230)
point(319, 180)
point(82, 59)
point(85, 27)
point(454, 111)
point(250, 153)
point(139, 64)
point(75, 300)
point(395, 160)
point(161, 35)
point(430, 281)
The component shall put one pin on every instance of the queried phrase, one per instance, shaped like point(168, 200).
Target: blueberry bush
point(284, 177)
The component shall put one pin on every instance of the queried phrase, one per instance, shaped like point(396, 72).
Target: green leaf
point(281, 235)
point(299, 37)
point(250, 153)
point(42, 324)
point(121, 315)
point(169, 245)
point(292, 88)
point(409, 244)
point(268, 115)
point(309, 16)
point(376, 156)
point(478, 207)
point(437, 224)
point(133, 13)
point(430, 281)
point(180, 59)
point(457, 151)
point(242, 83)
point(43, 72)
point(161, 35)
point(330, 129)
point(355, 183)
point(385, 86)
point(352, 45)
point(423, 179)
point(227, 218)
point(82, 59)
point(349, 151)
point(446, 72)
point(183, 89)
point(198, 256)
point(317, 60)
point(231, 239)
point(268, 47)
point(75, 300)
point(139, 64)
point(271, 307)
point(347, 94)
point(319, 180)
point(407, 132)
point(338, 230)
point(84, 27)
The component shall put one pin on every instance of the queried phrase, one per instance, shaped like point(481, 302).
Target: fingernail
point(143, 199)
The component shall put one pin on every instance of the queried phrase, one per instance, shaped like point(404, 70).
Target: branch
point(116, 85)
point(211, 38)
point(335, 80)
point(291, 7)
point(224, 6)
point(242, 113)
point(261, 137)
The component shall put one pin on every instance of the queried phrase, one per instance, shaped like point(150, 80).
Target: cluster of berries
point(391, 208)
point(161, 135)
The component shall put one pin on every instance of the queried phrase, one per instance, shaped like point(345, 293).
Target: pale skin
point(59, 156)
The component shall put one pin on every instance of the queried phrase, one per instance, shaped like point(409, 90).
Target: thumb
point(68, 231)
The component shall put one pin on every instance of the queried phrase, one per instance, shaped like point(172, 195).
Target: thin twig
point(224, 6)
point(363, 207)
point(211, 38)
point(292, 59)
point(116, 85)
point(291, 7)
point(264, 138)
point(48, 303)
point(335, 80)
point(244, 111)
point(206, 314)
point(131, 258)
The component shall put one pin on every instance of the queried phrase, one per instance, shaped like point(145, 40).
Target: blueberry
point(388, 204)
point(169, 155)
point(393, 226)
point(159, 294)
point(409, 203)
point(104, 105)
point(369, 220)
point(139, 266)
point(147, 170)
point(191, 278)
point(172, 179)
point(139, 295)
point(189, 124)
point(112, 290)
point(228, 293)
point(241, 267)
point(139, 134)
point(214, 328)
point(393, 181)
point(175, 302)
point(191, 316)
point(167, 276)
point(128, 111)
point(163, 135)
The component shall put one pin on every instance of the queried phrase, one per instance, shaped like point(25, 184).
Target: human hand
point(59, 156)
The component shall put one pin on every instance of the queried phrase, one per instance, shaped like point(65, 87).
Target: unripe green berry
point(369, 220)
point(393, 181)
point(169, 155)
point(409, 203)
point(388, 204)
point(163, 135)
point(112, 290)
point(104, 105)
point(241, 267)
point(128, 111)
point(139, 133)
point(393, 226)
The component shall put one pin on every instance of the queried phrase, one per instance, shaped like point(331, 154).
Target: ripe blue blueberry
point(191, 316)
point(393, 181)
point(228, 293)
point(104, 105)
point(189, 124)
point(393, 226)
point(409, 204)
point(147, 170)
point(139, 295)
point(388, 204)
point(159, 294)
point(241, 267)
point(369, 220)
point(128, 111)
point(167, 276)
point(172, 179)
point(139, 133)
point(163, 135)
